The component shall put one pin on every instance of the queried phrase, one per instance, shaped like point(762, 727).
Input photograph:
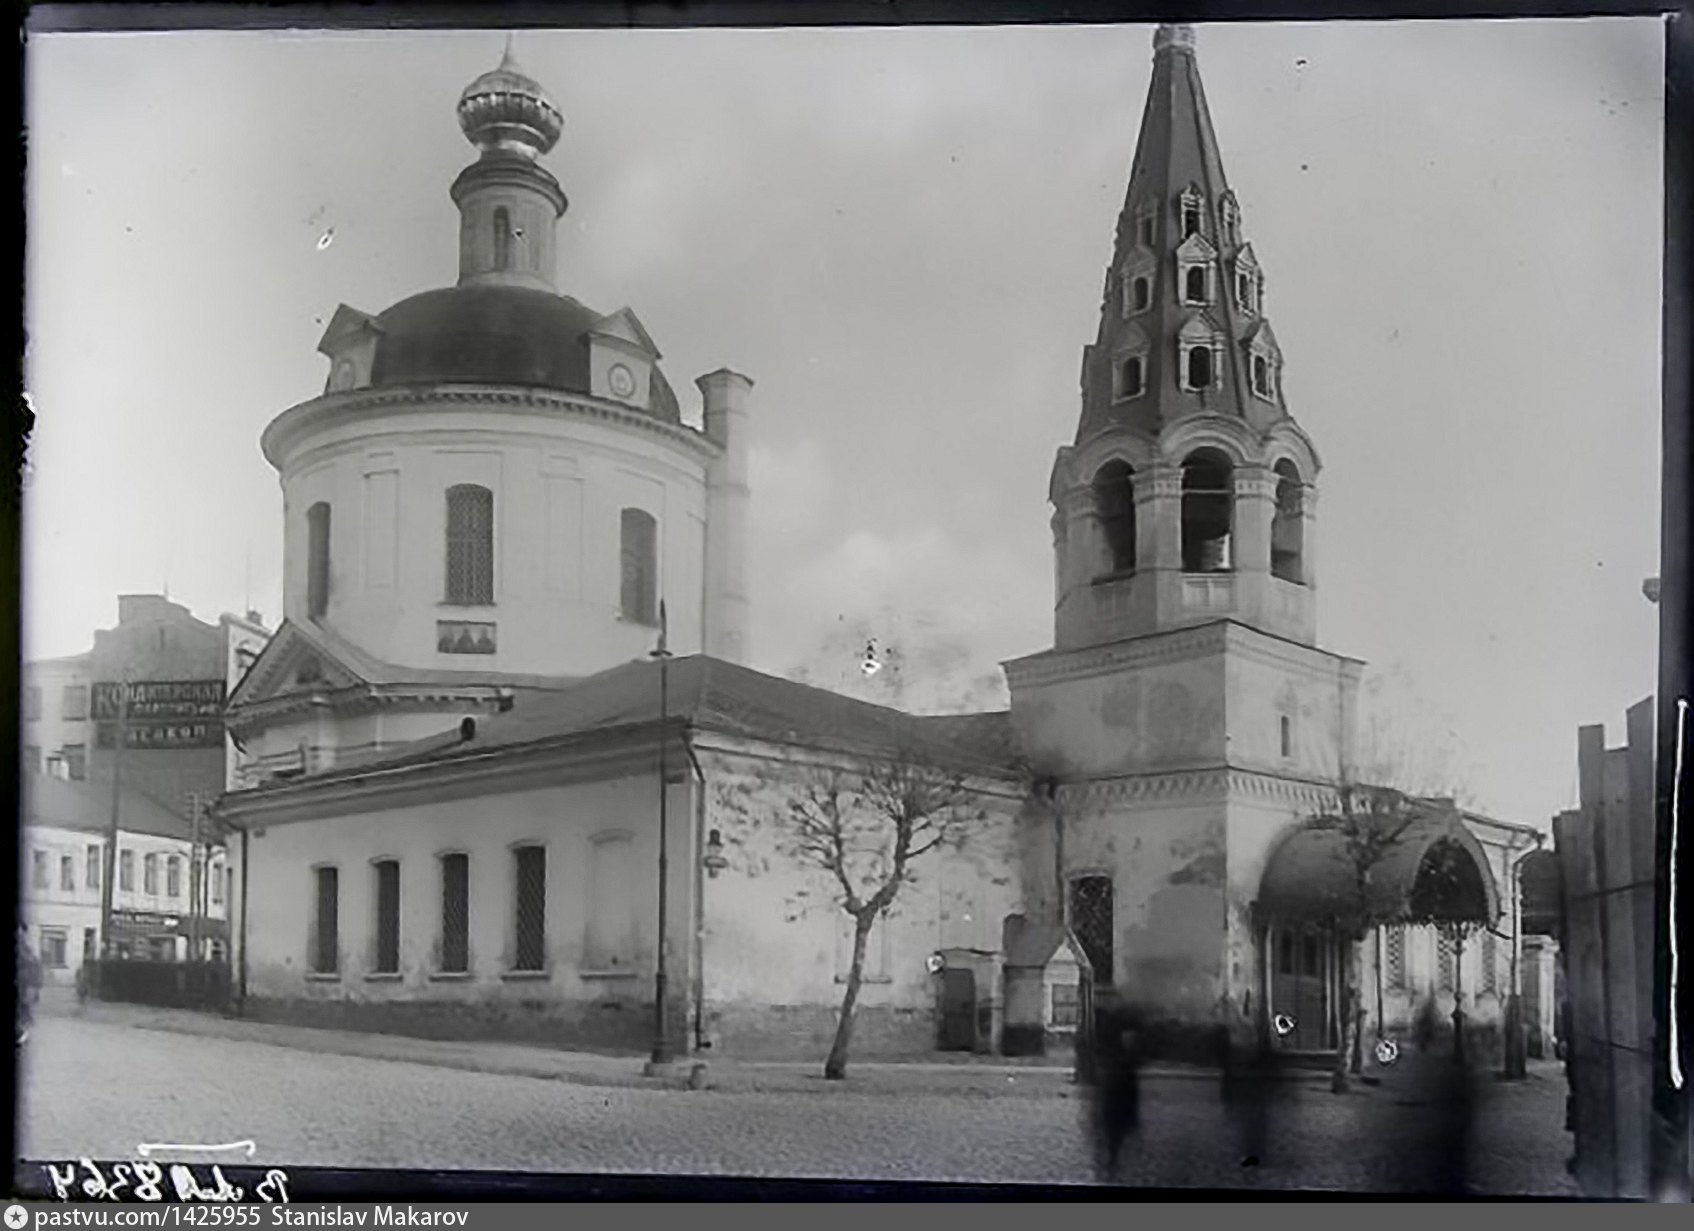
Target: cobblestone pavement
point(95, 1089)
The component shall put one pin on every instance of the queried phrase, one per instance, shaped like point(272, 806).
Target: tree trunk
point(835, 1068)
point(1356, 1004)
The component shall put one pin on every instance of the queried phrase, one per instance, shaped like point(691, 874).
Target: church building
point(475, 780)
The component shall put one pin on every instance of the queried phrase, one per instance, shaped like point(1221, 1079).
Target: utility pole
point(108, 898)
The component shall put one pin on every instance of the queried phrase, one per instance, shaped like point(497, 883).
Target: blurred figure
point(1120, 1049)
point(1433, 1140)
point(1246, 1078)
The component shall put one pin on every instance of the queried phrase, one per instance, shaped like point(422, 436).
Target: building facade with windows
point(450, 807)
point(66, 830)
point(489, 465)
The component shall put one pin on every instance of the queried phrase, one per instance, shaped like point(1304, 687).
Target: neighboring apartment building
point(66, 826)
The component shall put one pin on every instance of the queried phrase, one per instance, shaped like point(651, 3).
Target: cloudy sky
point(900, 235)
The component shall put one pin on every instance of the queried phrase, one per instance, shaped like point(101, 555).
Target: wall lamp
point(714, 862)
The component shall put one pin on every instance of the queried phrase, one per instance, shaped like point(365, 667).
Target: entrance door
point(958, 1009)
point(1300, 979)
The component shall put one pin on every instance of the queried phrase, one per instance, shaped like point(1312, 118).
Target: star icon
point(16, 1216)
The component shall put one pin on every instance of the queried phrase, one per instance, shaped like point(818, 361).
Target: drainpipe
point(241, 987)
point(699, 979)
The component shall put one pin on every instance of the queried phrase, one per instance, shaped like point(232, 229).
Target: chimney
point(726, 600)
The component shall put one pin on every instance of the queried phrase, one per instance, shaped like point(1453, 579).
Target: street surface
point(94, 1089)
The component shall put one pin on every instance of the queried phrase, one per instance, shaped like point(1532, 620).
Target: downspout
point(241, 986)
point(698, 981)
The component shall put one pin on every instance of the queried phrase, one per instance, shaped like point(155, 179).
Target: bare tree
point(863, 827)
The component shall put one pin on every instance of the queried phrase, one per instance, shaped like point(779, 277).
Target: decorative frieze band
point(1220, 784)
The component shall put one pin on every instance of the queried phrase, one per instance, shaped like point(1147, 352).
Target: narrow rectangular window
point(150, 875)
point(91, 872)
point(1445, 964)
point(173, 877)
point(126, 871)
point(53, 949)
point(217, 876)
point(455, 913)
point(1066, 1006)
point(74, 704)
point(387, 917)
point(639, 543)
point(76, 762)
point(530, 949)
point(1394, 955)
point(1286, 725)
point(67, 873)
point(317, 560)
point(470, 545)
point(1490, 959)
point(326, 939)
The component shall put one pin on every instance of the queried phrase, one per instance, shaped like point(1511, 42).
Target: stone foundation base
point(805, 1032)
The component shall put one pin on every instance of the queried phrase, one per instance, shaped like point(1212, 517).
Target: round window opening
point(622, 380)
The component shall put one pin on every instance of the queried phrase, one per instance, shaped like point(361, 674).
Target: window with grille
point(67, 873)
point(470, 545)
point(1446, 965)
point(126, 871)
point(150, 874)
point(640, 567)
point(317, 560)
point(1065, 1006)
point(1091, 920)
point(91, 870)
point(387, 917)
point(1394, 956)
point(455, 913)
point(1490, 958)
point(530, 949)
point(326, 935)
point(173, 877)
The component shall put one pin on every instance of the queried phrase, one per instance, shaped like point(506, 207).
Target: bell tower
point(1188, 493)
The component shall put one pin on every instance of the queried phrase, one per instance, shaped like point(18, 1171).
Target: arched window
point(1244, 291)
point(1190, 218)
point(640, 567)
point(470, 545)
point(1194, 284)
point(502, 239)
point(1131, 378)
point(1261, 376)
point(317, 560)
point(1288, 528)
point(1141, 294)
point(1208, 512)
point(1114, 506)
point(1200, 367)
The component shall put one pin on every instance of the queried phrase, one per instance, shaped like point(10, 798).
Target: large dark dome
point(493, 335)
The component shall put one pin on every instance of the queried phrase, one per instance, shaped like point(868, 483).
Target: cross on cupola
point(1187, 496)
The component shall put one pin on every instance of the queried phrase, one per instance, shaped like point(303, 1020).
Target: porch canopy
point(1409, 861)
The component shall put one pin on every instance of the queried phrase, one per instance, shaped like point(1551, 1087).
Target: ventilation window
point(1141, 294)
point(1199, 367)
point(1114, 506)
point(1194, 284)
point(1190, 220)
point(502, 239)
point(1244, 292)
point(1131, 378)
point(1261, 376)
point(1208, 512)
point(1288, 527)
point(317, 560)
point(1285, 726)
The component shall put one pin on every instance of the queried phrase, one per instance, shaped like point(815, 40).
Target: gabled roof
point(345, 321)
point(87, 807)
point(1260, 333)
point(341, 664)
point(626, 326)
point(713, 695)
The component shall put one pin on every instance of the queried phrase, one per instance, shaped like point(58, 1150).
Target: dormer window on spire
point(1192, 206)
point(1136, 280)
point(1198, 345)
point(1231, 213)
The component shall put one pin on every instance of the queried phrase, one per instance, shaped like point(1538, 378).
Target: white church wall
point(559, 483)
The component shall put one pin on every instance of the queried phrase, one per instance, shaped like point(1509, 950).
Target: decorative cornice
point(336, 409)
point(1052, 666)
point(1217, 783)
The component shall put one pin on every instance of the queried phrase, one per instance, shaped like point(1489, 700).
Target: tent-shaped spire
point(1179, 256)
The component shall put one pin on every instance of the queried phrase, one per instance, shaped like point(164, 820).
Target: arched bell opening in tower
point(1114, 507)
point(1208, 512)
point(1288, 529)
